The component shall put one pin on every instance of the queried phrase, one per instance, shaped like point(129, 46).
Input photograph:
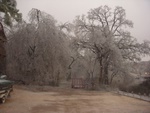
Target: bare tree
point(103, 31)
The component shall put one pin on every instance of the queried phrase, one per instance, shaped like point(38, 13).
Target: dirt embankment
point(56, 100)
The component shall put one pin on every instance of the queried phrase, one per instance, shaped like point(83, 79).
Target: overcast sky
point(66, 10)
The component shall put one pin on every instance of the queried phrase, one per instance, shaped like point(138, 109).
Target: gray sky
point(65, 10)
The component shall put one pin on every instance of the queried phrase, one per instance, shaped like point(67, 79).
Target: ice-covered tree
point(40, 55)
point(103, 31)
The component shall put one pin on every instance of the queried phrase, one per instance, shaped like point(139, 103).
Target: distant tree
point(147, 70)
point(103, 31)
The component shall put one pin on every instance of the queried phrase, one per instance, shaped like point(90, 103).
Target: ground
point(57, 100)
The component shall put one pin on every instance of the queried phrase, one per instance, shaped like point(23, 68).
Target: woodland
point(96, 46)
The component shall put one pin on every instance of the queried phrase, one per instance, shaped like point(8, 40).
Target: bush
point(143, 88)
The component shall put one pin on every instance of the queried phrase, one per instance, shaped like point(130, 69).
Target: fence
point(83, 83)
point(78, 83)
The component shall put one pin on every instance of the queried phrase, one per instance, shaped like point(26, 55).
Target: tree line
point(96, 45)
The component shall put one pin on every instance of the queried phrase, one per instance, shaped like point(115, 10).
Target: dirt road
point(71, 101)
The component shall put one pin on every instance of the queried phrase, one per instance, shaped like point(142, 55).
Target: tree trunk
point(2, 50)
point(106, 80)
point(101, 71)
point(112, 76)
